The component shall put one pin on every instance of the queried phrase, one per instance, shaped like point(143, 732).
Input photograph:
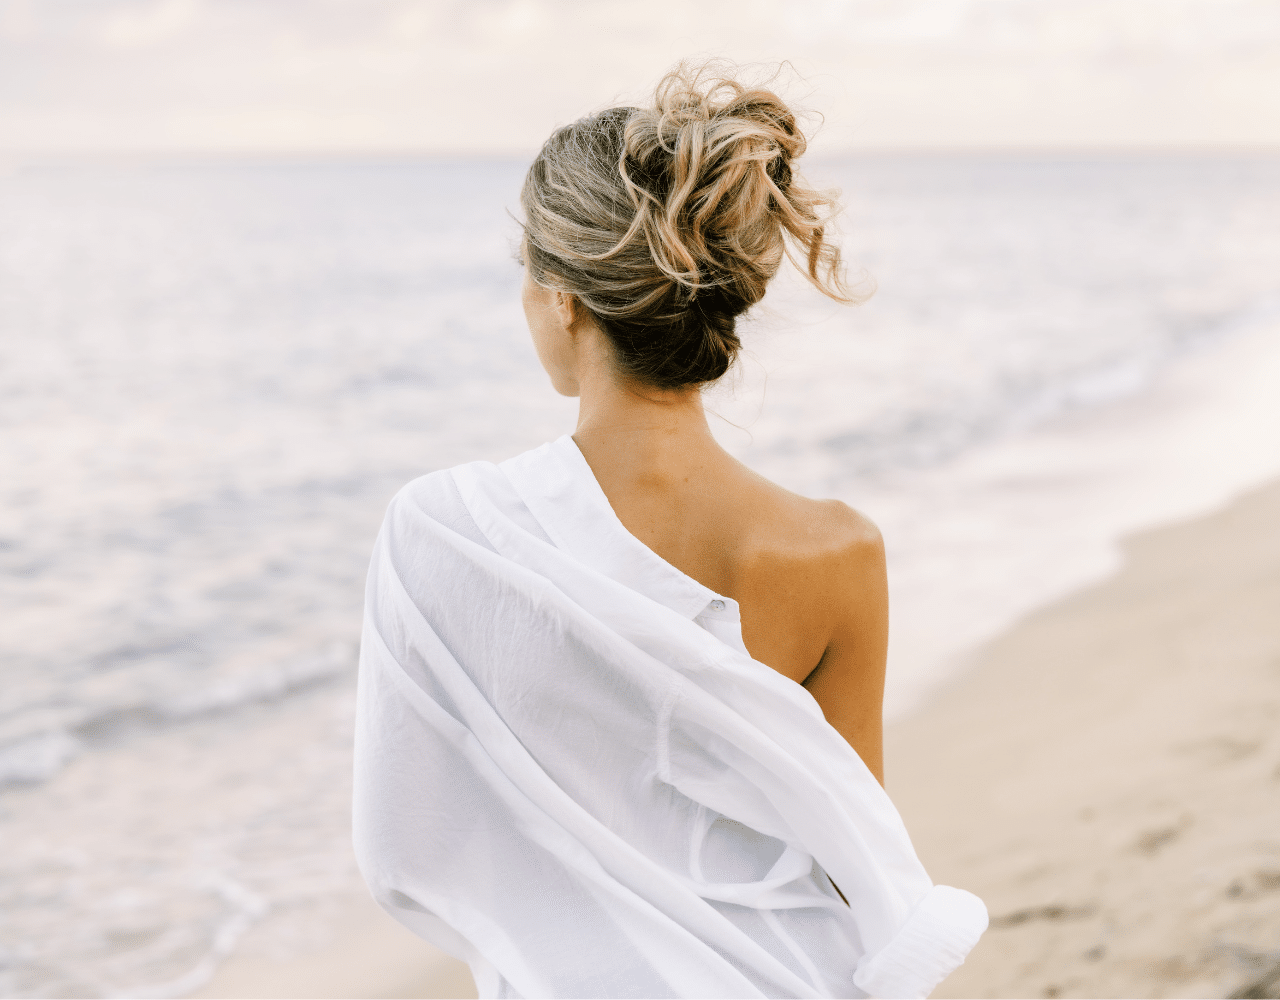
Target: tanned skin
point(808, 575)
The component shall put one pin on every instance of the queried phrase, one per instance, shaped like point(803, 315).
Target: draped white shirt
point(571, 774)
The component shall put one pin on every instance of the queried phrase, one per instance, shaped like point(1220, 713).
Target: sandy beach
point(1105, 775)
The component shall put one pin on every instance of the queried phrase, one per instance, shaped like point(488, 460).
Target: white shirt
point(571, 774)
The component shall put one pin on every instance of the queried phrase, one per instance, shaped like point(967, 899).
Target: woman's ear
point(568, 309)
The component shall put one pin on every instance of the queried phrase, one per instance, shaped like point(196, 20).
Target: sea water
point(214, 376)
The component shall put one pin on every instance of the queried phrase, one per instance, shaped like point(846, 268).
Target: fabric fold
point(934, 940)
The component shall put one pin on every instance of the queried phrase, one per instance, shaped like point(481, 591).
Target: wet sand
point(1106, 775)
point(370, 956)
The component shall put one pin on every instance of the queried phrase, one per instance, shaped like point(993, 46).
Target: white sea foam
point(261, 685)
point(246, 908)
point(36, 758)
point(215, 378)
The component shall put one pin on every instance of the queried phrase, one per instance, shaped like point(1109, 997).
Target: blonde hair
point(667, 222)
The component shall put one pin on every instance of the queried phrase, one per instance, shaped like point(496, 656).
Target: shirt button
point(717, 605)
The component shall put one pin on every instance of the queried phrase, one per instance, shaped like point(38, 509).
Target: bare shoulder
point(819, 551)
point(846, 529)
point(827, 532)
point(848, 680)
point(848, 549)
point(813, 593)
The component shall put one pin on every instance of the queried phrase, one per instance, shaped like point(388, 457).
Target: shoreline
point(1105, 774)
point(370, 955)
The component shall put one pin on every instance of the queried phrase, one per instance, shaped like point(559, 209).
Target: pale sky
point(495, 76)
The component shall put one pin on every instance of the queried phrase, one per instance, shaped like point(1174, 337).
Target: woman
point(619, 729)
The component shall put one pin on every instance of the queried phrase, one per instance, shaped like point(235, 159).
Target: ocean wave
point(34, 758)
point(37, 758)
point(921, 437)
point(260, 686)
point(246, 909)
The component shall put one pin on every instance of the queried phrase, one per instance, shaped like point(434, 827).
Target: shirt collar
point(557, 485)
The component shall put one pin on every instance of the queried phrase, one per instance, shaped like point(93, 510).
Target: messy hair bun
point(667, 222)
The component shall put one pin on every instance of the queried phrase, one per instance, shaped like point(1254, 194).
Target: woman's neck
point(630, 433)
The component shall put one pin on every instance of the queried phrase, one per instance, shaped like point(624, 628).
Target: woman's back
point(808, 575)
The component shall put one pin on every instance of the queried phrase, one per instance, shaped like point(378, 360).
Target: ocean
point(213, 377)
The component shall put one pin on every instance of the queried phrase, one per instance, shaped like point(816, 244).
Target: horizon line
point(11, 159)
